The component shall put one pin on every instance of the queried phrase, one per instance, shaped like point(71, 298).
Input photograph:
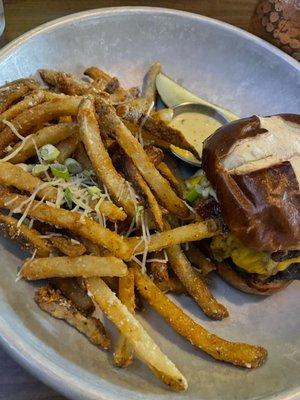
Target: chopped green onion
point(94, 191)
point(39, 169)
point(68, 196)
point(191, 195)
point(73, 166)
point(139, 210)
point(88, 173)
point(49, 152)
point(60, 171)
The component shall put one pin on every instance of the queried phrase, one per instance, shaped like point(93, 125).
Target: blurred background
point(277, 21)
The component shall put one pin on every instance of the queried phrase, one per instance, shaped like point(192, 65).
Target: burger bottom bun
point(249, 285)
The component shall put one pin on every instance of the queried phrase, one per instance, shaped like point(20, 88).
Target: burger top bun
point(254, 166)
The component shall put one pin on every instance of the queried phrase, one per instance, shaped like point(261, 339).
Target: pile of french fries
point(88, 187)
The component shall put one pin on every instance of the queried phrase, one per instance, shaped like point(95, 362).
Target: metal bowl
point(229, 67)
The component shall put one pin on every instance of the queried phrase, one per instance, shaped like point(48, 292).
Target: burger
point(253, 167)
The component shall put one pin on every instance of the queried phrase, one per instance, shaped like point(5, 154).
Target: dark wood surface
point(22, 15)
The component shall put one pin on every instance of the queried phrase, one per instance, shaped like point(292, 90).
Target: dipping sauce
point(195, 127)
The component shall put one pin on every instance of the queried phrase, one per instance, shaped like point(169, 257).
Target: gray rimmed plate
point(229, 67)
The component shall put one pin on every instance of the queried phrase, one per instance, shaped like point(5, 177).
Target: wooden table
point(22, 15)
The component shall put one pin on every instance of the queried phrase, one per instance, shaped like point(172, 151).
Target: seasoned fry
point(12, 175)
point(52, 134)
point(241, 354)
point(100, 159)
point(73, 221)
point(155, 154)
point(65, 82)
point(143, 345)
point(52, 302)
point(74, 292)
point(147, 138)
point(161, 130)
point(123, 355)
point(172, 285)
point(68, 247)
point(134, 111)
point(198, 259)
point(67, 147)
point(109, 210)
point(182, 234)
point(175, 182)
point(28, 238)
point(29, 101)
point(109, 84)
point(165, 115)
point(15, 91)
point(194, 285)
point(64, 267)
point(138, 180)
point(158, 269)
point(97, 73)
point(82, 157)
point(135, 151)
point(31, 120)
point(150, 86)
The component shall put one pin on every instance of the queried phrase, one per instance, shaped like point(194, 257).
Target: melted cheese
point(248, 259)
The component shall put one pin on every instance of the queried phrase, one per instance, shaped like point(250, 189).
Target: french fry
point(198, 259)
point(13, 175)
point(31, 120)
point(109, 84)
point(100, 159)
point(14, 91)
point(182, 234)
point(194, 285)
point(52, 302)
point(143, 345)
point(65, 267)
point(241, 354)
point(82, 157)
point(158, 269)
point(66, 246)
point(109, 210)
point(162, 131)
point(165, 114)
point(123, 355)
point(29, 101)
point(172, 285)
point(65, 82)
point(134, 111)
point(73, 221)
point(155, 154)
point(70, 288)
point(139, 181)
point(52, 134)
point(135, 151)
point(97, 73)
point(175, 182)
point(67, 147)
point(28, 238)
point(147, 138)
point(150, 85)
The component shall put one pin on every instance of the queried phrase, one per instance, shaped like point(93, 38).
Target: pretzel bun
point(254, 166)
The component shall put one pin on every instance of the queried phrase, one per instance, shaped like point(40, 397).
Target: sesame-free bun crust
point(261, 207)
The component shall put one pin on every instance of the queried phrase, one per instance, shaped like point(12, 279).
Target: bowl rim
point(31, 359)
